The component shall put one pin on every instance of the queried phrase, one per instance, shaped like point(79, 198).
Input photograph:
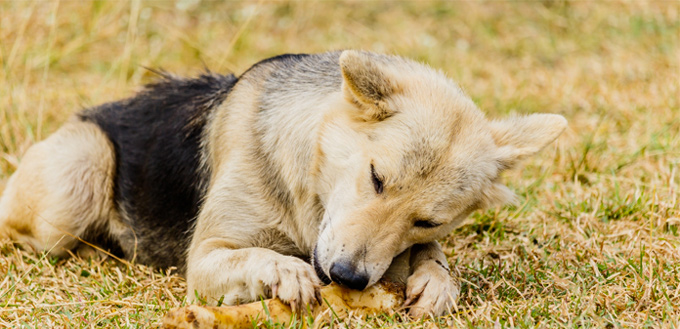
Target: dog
point(305, 169)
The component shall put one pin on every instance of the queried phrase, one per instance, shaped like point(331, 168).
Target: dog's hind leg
point(62, 190)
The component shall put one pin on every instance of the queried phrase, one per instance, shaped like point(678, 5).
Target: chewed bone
point(386, 296)
point(338, 301)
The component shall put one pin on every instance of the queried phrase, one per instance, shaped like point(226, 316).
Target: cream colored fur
point(325, 145)
point(63, 187)
point(437, 155)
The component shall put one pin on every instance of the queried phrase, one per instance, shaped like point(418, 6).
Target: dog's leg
point(245, 275)
point(62, 188)
point(430, 289)
point(231, 256)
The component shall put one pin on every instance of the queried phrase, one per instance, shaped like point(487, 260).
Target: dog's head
point(404, 157)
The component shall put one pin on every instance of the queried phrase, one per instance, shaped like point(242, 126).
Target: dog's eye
point(377, 183)
point(426, 224)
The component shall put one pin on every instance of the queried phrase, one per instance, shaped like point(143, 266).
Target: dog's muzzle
point(319, 271)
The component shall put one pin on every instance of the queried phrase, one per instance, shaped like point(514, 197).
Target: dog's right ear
point(367, 83)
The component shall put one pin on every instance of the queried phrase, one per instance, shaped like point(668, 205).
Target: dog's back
point(159, 180)
point(152, 147)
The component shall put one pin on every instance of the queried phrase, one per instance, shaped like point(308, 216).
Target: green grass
point(593, 242)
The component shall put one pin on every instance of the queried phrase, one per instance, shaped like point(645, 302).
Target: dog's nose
point(345, 274)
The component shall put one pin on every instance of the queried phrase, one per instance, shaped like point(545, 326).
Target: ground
point(593, 242)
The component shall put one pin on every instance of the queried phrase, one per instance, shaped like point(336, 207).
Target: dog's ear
point(367, 83)
point(521, 136)
point(497, 195)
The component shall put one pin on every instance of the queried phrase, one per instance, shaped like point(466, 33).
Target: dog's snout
point(346, 274)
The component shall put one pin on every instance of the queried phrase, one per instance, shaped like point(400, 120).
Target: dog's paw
point(292, 281)
point(430, 290)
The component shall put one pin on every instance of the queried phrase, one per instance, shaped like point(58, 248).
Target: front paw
point(430, 290)
point(293, 281)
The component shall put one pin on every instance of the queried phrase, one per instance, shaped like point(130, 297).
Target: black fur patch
point(159, 183)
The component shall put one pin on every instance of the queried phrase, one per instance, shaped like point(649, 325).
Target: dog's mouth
point(319, 271)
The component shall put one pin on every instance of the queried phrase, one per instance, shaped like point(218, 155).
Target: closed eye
point(377, 182)
point(426, 224)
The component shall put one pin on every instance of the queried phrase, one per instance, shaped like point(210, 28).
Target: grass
point(594, 241)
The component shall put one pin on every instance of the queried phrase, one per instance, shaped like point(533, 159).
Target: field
point(594, 241)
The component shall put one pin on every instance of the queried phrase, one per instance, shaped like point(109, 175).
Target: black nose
point(345, 274)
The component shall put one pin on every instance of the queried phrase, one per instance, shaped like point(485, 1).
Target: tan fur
point(291, 163)
point(440, 158)
point(366, 85)
point(63, 187)
point(235, 189)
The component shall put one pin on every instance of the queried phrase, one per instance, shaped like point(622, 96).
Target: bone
point(386, 296)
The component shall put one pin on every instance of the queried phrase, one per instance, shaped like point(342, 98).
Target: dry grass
point(595, 242)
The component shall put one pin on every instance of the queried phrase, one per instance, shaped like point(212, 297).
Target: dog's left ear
point(367, 83)
point(521, 136)
point(517, 138)
point(497, 195)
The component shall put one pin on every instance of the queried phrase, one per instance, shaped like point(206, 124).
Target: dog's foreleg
point(430, 289)
point(237, 276)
